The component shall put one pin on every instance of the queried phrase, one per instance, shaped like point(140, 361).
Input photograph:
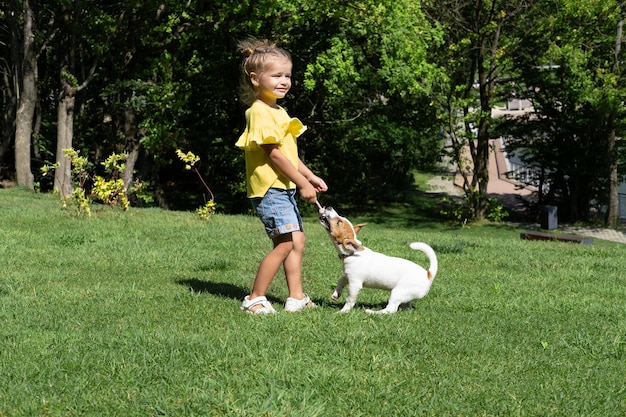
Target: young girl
point(273, 171)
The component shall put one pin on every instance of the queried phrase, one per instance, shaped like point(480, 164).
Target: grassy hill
point(137, 314)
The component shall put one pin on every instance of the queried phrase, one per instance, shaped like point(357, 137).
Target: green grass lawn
point(137, 314)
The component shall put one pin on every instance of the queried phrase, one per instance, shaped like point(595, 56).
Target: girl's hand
point(318, 183)
point(308, 193)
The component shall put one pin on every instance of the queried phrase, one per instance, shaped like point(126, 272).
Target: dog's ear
point(352, 245)
point(358, 227)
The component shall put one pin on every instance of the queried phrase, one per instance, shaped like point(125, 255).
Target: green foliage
point(364, 97)
point(407, 47)
point(460, 211)
point(473, 58)
point(110, 191)
point(578, 94)
point(207, 210)
point(335, 68)
point(454, 210)
point(496, 211)
point(167, 73)
point(190, 160)
point(380, 85)
point(69, 78)
point(80, 176)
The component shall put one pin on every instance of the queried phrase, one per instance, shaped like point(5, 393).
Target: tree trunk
point(612, 215)
point(480, 153)
point(11, 85)
point(36, 130)
point(132, 142)
point(28, 98)
point(65, 112)
point(129, 167)
point(7, 133)
point(65, 132)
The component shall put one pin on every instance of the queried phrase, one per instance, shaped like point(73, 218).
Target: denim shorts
point(278, 211)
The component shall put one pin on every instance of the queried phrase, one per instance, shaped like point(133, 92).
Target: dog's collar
point(343, 256)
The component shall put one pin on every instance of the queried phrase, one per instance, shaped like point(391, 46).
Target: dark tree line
point(380, 84)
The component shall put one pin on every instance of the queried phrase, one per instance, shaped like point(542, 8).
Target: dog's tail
point(432, 257)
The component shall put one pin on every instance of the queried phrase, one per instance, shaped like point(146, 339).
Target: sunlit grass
point(137, 314)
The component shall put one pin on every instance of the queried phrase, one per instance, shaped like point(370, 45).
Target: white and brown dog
point(363, 267)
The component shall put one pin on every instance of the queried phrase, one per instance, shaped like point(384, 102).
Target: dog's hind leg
point(395, 302)
point(391, 308)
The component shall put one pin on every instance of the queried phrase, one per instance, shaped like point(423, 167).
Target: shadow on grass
point(234, 292)
point(360, 307)
point(220, 289)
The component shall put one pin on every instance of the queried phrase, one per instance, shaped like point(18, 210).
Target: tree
point(146, 95)
point(475, 57)
point(72, 55)
point(571, 62)
point(165, 76)
point(9, 68)
point(612, 215)
point(364, 95)
point(27, 100)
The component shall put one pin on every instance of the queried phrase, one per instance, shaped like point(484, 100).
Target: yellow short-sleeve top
point(267, 125)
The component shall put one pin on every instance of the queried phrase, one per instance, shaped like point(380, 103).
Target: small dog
point(363, 267)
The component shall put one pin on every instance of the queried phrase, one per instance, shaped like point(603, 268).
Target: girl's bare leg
point(270, 265)
point(293, 266)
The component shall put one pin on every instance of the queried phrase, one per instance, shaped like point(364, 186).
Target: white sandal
point(293, 304)
point(258, 305)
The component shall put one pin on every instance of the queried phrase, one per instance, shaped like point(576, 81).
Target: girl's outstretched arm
point(318, 183)
point(281, 163)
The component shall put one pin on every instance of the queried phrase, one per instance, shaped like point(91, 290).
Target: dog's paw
point(383, 311)
point(334, 296)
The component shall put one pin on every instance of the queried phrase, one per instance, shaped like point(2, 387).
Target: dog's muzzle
point(325, 215)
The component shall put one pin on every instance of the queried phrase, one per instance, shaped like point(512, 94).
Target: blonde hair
point(256, 54)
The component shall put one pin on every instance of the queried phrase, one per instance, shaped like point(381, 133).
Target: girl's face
point(274, 81)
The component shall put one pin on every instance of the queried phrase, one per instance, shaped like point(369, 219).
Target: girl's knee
point(299, 240)
point(283, 245)
point(291, 242)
